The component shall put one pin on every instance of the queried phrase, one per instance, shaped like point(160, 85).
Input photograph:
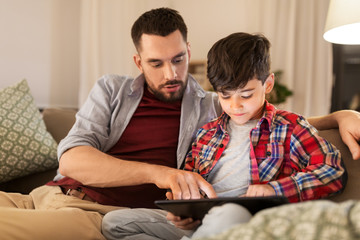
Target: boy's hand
point(260, 190)
point(185, 224)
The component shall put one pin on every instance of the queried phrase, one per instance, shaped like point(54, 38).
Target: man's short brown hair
point(161, 22)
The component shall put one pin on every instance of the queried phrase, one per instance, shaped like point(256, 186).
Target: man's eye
point(178, 59)
point(156, 65)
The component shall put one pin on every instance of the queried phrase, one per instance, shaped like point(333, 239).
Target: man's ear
point(269, 83)
point(137, 60)
point(189, 50)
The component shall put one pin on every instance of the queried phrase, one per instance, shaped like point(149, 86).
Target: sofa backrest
point(59, 121)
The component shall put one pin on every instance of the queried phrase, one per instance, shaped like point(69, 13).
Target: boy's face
point(246, 103)
point(164, 62)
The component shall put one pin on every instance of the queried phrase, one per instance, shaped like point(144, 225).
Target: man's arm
point(348, 122)
point(94, 168)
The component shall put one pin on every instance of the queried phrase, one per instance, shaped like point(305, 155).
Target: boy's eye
point(224, 96)
point(247, 97)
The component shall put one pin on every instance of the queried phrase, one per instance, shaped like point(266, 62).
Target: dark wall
point(346, 68)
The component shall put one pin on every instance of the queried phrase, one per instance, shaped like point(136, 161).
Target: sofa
point(59, 121)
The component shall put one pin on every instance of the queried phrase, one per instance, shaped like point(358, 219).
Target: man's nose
point(169, 71)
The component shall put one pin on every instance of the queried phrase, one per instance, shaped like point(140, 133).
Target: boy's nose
point(236, 103)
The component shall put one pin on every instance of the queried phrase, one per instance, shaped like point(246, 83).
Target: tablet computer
point(197, 208)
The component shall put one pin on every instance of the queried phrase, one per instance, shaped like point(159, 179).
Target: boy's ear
point(269, 83)
point(137, 60)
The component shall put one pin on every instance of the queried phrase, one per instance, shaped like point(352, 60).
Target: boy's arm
point(318, 171)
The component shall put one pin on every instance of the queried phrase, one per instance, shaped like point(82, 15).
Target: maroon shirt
point(152, 137)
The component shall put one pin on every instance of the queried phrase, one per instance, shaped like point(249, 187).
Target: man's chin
point(170, 97)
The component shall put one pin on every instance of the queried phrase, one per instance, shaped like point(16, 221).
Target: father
point(129, 138)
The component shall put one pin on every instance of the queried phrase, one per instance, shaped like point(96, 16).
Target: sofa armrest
point(352, 187)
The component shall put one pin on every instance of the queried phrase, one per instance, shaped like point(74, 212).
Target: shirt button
point(268, 153)
point(221, 145)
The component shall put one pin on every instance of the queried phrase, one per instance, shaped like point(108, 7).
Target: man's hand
point(349, 128)
point(183, 184)
point(348, 122)
point(185, 224)
point(260, 190)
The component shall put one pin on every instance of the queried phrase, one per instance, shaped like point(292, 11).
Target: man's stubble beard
point(174, 96)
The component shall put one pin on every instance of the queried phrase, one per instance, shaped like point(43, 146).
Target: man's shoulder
point(115, 80)
point(114, 84)
point(209, 128)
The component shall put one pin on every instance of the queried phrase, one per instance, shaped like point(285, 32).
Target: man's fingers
point(176, 190)
point(353, 145)
point(207, 189)
point(187, 185)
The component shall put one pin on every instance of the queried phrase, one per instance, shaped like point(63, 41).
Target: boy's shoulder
point(213, 123)
point(283, 117)
point(210, 128)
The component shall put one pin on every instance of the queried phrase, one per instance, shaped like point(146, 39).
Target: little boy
point(252, 149)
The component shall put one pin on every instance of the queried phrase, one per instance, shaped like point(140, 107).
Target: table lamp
point(343, 22)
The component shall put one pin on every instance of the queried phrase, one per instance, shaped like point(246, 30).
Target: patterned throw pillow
point(25, 145)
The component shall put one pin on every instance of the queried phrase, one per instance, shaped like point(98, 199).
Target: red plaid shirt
point(285, 152)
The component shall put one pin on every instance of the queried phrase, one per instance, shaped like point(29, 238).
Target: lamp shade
point(343, 22)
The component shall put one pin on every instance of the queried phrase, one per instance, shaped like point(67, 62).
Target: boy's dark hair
point(236, 59)
point(161, 22)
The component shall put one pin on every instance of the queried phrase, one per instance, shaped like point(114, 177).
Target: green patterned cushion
point(25, 145)
point(309, 220)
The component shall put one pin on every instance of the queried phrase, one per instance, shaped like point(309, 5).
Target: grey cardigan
point(113, 100)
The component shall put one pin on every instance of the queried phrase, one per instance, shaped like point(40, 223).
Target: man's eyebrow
point(152, 60)
point(180, 54)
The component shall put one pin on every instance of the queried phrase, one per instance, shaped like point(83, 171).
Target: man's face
point(246, 103)
point(164, 62)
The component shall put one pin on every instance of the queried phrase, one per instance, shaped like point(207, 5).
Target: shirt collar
point(268, 116)
point(137, 84)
